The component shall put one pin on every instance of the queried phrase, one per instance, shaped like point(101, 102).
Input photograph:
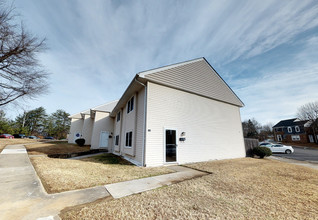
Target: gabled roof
point(77, 115)
point(195, 76)
point(107, 107)
point(289, 122)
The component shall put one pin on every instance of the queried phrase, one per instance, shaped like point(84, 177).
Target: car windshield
point(277, 145)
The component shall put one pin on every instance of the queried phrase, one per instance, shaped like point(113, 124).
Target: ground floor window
point(117, 140)
point(279, 137)
point(295, 138)
point(129, 139)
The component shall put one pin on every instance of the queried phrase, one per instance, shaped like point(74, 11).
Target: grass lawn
point(4, 142)
point(59, 175)
point(54, 147)
point(237, 189)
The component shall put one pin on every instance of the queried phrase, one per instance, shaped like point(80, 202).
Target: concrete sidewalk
point(313, 165)
point(122, 189)
point(22, 194)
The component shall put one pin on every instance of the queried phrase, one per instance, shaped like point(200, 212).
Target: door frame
point(164, 145)
point(100, 139)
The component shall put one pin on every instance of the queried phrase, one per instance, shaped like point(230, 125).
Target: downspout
point(144, 123)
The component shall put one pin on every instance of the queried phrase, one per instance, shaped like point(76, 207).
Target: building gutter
point(144, 123)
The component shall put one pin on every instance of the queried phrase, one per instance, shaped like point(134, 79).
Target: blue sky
point(267, 51)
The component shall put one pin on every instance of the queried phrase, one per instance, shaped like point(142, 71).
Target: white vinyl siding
point(213, 129)
point(132, 122)
point(197, 77)
point(102, 122)
point(87, 129)
point(76, 127)
point(117, 131)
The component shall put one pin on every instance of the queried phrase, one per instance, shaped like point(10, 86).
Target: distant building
point(293, 130)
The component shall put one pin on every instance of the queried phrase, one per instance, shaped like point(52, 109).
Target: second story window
point(118, 116)
point(130, 105)
point(297, 129)
point(117, 140)
point(289, 129)
point(129, 139)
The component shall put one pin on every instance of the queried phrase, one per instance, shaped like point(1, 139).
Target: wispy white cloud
point(97, 46)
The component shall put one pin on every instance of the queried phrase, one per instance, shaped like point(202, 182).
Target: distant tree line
point(37, 122)
point(253, 129)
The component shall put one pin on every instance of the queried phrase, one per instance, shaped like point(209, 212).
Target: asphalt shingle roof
point(289, 122)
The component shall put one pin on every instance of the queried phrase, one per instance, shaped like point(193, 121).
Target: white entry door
point(103, 140)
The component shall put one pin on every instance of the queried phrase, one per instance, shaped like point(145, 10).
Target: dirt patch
point(59, 175)
point(238, 189)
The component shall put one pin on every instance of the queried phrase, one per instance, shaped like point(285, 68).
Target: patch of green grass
point(108, 159)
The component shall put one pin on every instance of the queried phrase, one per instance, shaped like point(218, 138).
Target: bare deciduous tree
point(21, 75)
point(309, 112)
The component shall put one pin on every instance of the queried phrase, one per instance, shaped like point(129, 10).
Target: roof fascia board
point(108, 103)
point(119, 103)
point(143, 73)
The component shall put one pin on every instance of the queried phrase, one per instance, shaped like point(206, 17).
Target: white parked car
point(278, 148)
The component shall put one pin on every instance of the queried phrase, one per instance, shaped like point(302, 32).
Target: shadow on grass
point(55, 148)
point(108, 158)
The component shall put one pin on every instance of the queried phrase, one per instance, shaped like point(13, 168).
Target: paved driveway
point(22, 194)
point(301, 154)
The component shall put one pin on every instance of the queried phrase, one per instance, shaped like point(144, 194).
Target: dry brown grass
point(54, 147)
point(59, 175)
point(238, 189)
point(4, 142)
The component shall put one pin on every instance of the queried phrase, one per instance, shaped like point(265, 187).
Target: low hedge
point(262, 152)
point(80, 141)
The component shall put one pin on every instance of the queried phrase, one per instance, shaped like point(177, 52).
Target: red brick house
point(293, 130)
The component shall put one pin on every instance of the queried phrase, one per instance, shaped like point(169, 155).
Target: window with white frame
point(128, 139)
point(118, 116)
point(117, 140)
point(297, 129)
point(289, 129)
point(295, 138)
point(130, 105)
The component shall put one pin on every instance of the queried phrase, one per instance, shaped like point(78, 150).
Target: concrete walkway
point(122, 189)
point(313, 165)
point(23, 196)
